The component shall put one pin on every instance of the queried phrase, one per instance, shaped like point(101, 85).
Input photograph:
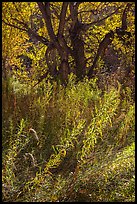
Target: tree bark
point(77, 42)
point(78, 52)
point(102, 47)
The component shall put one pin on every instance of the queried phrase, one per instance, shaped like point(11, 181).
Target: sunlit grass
point(73, 143)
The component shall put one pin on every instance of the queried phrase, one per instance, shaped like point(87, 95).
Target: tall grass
point(73, 143)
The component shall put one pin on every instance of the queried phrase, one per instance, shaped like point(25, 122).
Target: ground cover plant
point(68, 144)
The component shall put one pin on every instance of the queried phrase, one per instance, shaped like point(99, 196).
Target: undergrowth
point(73, 143)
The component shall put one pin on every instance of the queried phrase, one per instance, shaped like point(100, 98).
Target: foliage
point(73, 143)
point(78, 30)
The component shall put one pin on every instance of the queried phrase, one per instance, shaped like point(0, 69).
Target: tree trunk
point(78, 51)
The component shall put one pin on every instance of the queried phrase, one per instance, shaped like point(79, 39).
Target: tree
point(73, 36)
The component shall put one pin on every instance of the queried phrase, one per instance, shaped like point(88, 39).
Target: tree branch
point(124, 16)
point(74, 14)
point(62, 18)
point(27, 30)
point(61, 28)
point(38, 37)
point(41, 79)
point(14, 26)
point(88, 25)
point(45, 10)
point(102, 47)
point(123, 30)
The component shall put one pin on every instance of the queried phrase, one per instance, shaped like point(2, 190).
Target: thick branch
point(123, 30)
point(102, 47)
point(61, 28)
point(124, 16)
point(74, 14)
point(45, 10)
point(62, 18)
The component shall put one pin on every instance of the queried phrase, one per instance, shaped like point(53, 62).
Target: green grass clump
point(73, 143)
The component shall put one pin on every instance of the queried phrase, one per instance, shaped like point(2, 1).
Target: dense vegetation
point(68, 102)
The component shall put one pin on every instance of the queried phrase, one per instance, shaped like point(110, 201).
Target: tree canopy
point(65, 37)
